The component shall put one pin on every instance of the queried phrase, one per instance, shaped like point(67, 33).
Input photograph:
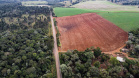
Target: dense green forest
point(26, 54)
point(26, 42)
point(95, 64)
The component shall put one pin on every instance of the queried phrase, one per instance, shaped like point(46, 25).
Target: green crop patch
point(126, 21)
point(28, 3)
point(60, 12)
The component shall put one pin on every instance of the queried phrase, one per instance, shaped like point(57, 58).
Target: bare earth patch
point(121, 54)
point(86, 30)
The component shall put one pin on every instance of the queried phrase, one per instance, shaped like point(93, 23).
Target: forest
point(88, 64)
point(26, 42)
point(133, 43)
point(15, 16)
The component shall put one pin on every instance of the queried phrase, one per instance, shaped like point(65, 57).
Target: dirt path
point(113, 53)
point(118, 50)
point(55, 50)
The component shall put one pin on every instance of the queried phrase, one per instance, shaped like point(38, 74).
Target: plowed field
point(86, 30)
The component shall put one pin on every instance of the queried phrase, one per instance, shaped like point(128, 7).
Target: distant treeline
point(131, 3)
point(126, 2)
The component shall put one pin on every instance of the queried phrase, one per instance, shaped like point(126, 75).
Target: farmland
point(123, 19)
point(86, 30)
point(60, 12)
point(126, 21)
point(104, 6)
point(33, 3)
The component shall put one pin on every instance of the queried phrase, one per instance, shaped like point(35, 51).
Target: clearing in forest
point(86, 30)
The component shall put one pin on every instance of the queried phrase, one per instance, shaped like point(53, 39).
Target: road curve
point(55, 49)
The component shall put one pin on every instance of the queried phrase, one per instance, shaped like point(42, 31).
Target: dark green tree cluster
point(26, 54)
point(76, 64)
point(133, 43)
point(132, 66)
point(87, 64)
point(126, 2)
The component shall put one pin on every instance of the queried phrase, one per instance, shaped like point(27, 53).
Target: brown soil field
point(85, 30)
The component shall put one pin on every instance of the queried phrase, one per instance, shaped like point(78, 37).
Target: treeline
point(95, 64)
point(131, 3)
point(133, 43)
point(126, 2)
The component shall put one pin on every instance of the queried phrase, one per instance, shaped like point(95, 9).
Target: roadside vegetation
point(95, 64)
point(26, 49)
point(57, 33)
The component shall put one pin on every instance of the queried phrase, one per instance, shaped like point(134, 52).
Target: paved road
point(55, 50)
